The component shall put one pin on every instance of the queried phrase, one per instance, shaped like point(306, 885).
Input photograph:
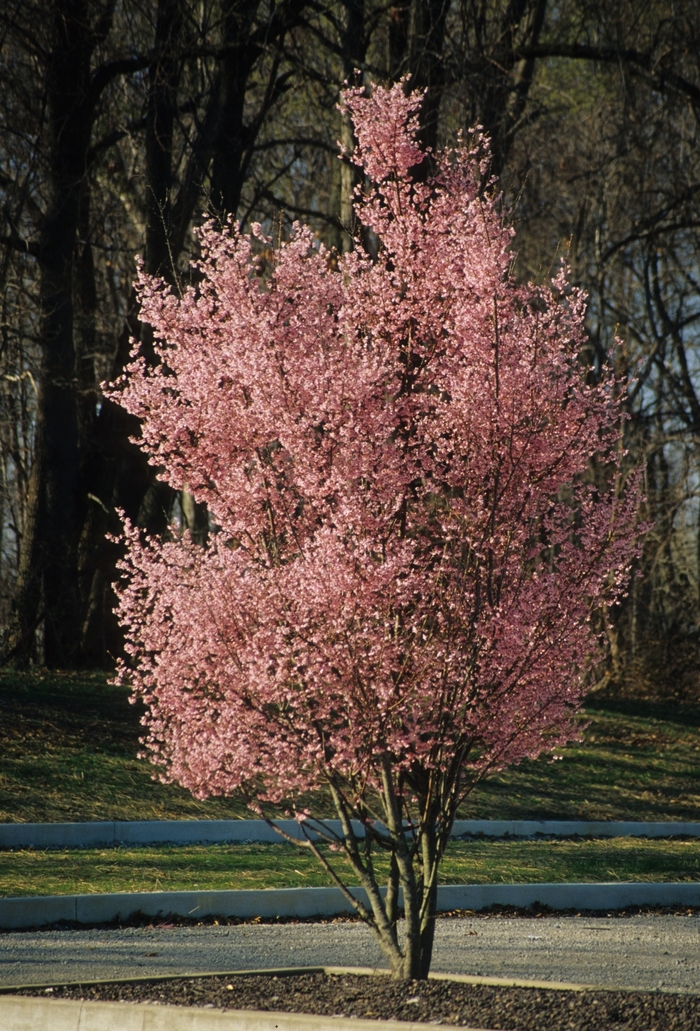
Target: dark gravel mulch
point(437, 1002)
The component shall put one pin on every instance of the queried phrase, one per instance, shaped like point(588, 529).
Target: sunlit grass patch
point(223, 867)
point(68, 746)
point(636, 762)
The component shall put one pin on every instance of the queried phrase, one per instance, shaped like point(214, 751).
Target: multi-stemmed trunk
point(415, 847)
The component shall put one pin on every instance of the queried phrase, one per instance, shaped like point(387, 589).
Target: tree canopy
point(124, 126)
point(419, 508)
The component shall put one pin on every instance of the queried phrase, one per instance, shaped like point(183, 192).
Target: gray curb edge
point(27, 1014)
point(305, 903)
point(37, 1014)
point(209, 832)
point(500, 982)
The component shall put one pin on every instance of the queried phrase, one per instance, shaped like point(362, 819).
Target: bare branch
point(661, 79)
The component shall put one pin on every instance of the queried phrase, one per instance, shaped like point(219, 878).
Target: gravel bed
point(436, 1002)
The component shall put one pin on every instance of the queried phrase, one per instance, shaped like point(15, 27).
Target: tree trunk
point(415, 43)
point(230, 136)
point(49, 558)
point(26, 611)
point(354, 45)
point(164, 76)
point(503, 82)
point(120, 475)
point(426, 42)
point(195, 518)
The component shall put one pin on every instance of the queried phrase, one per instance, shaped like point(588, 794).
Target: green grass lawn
point(68, 745)
point(637, 761)
point(217, 867)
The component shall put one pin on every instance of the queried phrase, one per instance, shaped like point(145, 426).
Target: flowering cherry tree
point(408, 539)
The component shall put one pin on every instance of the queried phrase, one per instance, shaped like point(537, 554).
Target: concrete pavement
point(641, 952)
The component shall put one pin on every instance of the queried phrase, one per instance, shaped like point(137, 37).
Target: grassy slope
point(637, 761)
point(68, 745)
point(218, 867)
point(67, 752)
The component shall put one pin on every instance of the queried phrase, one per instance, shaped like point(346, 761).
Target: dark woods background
point(124, 124)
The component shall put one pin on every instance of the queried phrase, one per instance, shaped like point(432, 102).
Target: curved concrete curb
point(27, 1014)
point(499, 982)
point(271, 903)
point(37, 1014)
point(209, 832)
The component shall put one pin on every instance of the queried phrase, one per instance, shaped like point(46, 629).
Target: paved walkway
point(643, 952)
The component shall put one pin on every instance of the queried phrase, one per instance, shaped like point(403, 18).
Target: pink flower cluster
point(396, 454)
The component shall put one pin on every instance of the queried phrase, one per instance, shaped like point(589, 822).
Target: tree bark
point(164, 76)
point(48, 564)
point(230, 135)
point(354, 45)
point(506, 76)
point(121, 478)
point(426, 43)
point(118, 475)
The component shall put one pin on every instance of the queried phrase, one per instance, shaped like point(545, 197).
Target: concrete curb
point(37, 1014)
point(187, 832)
point(28, 1014)
point(574, 829)
point(271, 903)
point(499, 982)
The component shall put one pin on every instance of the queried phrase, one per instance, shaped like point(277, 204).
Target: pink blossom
point(410, 541)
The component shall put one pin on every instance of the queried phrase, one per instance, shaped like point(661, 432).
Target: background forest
point(124, 125)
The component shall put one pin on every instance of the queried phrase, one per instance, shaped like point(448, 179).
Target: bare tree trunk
point(26, 611)
point(426, 42)
point(230, 134)
point(354, 46)
point(49, 559)
point(164, 76)
point(415, 45)
point(505, 80)
point(195, 518)
point(120, 476)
